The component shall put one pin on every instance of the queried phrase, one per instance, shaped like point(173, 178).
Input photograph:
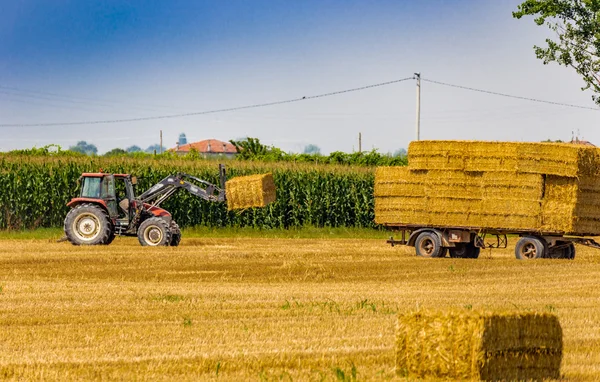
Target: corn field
point(35, 191)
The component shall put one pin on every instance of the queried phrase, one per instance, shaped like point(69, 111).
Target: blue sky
point(65, 61)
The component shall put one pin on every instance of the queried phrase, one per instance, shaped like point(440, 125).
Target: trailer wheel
point(465, 251)
point(572, 254)
point(429, 244)
point(154, 232)
point(529, 248)
point(566, 251)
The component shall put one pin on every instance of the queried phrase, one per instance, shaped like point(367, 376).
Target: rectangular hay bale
point(571, 205)
point(401, 181)
point(250, 191)
point(506, 200)
point(561, 159)
point(479, 345)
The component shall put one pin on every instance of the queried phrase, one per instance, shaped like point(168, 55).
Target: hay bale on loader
point(479, 345)
point(250, 191)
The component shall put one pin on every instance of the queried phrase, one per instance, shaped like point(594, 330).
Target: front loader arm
point(173, 183)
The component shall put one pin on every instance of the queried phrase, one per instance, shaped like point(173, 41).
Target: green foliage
point(134, 149)
point(37, 188)
point(84, 148)
point(49, 150)
point(155, 149)
point(312, 149)
point(576, 24)
point(252, 149)
point(115, 152)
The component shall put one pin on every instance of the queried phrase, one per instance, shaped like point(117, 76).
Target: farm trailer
point(467, 242)
point(455, 194)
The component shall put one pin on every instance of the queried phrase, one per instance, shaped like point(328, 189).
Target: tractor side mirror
point(134, 180)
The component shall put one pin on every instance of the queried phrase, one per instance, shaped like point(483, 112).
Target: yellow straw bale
point(559, 159)
point(568, 208)
point(250, 191)
point(471, 345)
point(396, 181)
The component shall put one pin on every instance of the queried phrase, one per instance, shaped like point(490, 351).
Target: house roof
point(577, 141)
point(208, 146)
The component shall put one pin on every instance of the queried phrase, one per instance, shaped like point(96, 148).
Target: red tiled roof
point(208, 146)
point(577, 141)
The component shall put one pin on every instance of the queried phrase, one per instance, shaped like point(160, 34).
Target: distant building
point(182, 139)
point(577, 141)
point(208, 148)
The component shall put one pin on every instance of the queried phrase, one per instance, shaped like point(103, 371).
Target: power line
point(253, 106)
point(511, 96)
point(77, 99)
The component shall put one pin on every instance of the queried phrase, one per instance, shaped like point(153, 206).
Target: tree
point(399, 153)
point(134, 149)
point(153, 148)
point(84, 148)
point(182, 139)
point(115, 152)
point(312, 149)
point(576, 24)
point(249, 148)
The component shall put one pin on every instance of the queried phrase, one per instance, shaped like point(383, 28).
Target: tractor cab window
point(108, 187)
point(91, 188)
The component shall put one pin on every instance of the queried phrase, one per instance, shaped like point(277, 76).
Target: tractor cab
point(114, 192)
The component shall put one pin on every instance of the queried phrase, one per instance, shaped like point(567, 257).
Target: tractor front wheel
point(154, 232)
point(88, 224)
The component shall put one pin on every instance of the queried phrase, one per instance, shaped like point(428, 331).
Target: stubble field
point(257, 308)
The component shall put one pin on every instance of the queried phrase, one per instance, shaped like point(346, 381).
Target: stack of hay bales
point(250, 191)
point(485, 346)
point(543, 187)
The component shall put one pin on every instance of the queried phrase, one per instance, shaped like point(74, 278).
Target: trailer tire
point(567, 251)
point(465, 251)
point(530, 248)
point(154, 232)
point(429, 244)
point(572, 252)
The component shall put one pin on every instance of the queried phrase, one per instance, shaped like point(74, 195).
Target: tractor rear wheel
point(88, 224)
point(154, 232)
point(175, 234)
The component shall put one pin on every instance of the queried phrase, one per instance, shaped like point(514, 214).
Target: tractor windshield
point(91, 188)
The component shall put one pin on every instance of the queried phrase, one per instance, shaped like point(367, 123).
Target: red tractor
point(107, 206)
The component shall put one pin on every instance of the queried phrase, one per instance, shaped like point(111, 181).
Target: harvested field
point(239, 309)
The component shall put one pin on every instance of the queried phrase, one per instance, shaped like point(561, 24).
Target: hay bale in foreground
point(250, 191)
point(480, 346)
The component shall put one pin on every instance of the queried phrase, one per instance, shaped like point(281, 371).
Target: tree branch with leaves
point(577, 27)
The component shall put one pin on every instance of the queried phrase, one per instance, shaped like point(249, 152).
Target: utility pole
point(418, 76)
point(359, 142)
point(160, 148)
